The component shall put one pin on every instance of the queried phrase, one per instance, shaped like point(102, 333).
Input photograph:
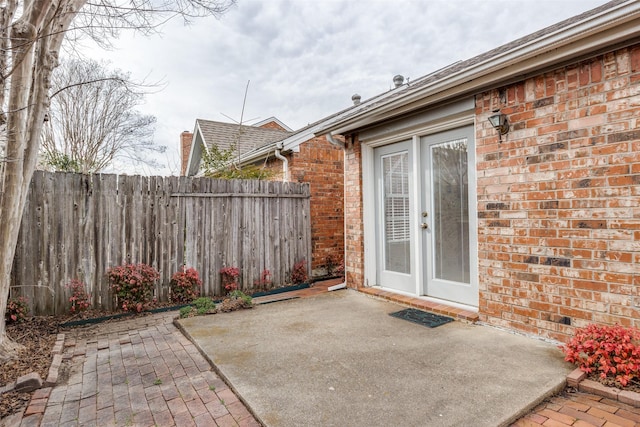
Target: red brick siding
point(321, 165)
point(274, 165)
point(354, 237)
point(559, 199)
point(272, 125)
point(185, 148)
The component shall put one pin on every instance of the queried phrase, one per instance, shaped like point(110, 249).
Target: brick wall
point(185, 147)
point(559, 198)
point(321, 165)
point(354, 237)
point(272, 125)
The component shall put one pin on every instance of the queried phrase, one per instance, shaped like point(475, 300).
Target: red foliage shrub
point(230, 276)
point(610, 351)
point(17, 309)
point(80, 300)
point(264, 282)
point(185, 286)
point(132, 285)
point(299, 273)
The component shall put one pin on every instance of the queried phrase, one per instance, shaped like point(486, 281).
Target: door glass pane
point(451, 210)
point(395, 170)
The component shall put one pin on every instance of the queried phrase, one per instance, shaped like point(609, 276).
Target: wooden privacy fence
point(78, 226)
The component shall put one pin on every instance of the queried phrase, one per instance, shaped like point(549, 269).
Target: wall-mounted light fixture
point(500, 123)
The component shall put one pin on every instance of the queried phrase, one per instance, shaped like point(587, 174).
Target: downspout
point(285, 162)
point(334, 141)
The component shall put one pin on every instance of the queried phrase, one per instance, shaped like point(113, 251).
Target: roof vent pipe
point(356, 99)
point(398, 80)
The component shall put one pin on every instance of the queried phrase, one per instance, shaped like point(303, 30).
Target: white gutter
point(285, 162)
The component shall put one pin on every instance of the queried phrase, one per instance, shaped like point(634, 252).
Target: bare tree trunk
point(36, 40)
point(33, 41)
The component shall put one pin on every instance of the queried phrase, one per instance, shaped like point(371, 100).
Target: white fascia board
point(590, 35)
point(258, 154)
point(195, 154)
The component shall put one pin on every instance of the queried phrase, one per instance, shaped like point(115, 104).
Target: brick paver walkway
point(581, 410)
point(138, 372)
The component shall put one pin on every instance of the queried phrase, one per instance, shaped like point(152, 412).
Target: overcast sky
point(306, 58)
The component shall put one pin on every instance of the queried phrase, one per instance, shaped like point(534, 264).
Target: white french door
point(425, 219)
point(394, 216)
point(448, 216)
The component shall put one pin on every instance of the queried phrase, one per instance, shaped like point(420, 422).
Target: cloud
point(306, 59)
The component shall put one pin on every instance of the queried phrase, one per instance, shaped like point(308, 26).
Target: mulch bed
point(37, 335)
point(634, 384)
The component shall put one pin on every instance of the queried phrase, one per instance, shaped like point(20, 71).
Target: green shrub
point(186, 311)
point(204, 305)
point(236, 300)
point(199, 307)
point(241, 295)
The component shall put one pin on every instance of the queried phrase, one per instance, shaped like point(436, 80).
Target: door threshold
point(447, 308)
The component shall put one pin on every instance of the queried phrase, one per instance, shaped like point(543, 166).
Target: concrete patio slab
point(339, 359)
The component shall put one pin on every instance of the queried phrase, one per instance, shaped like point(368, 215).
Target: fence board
point(78, 226)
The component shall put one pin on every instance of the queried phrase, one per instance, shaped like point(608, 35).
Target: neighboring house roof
point(246, 138)
point(293, 141)
point(612, 24)
point(288, 141)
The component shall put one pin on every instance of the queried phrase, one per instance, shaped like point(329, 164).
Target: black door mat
point(421, 317)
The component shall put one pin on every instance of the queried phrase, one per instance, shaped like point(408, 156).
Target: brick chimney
point(186, 139)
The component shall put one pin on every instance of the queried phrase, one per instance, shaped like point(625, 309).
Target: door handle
point(424, 226)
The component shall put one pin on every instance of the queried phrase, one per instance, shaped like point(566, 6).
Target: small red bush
point(132, 285)
point(610, 351)
point(80, 300)
point(17, 309)
point(230, 276)
point(299, 272)
point(185, 286)
point(264, 282)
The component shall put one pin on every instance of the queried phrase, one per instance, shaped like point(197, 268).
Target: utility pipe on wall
point(285, 162)
point(334, 141)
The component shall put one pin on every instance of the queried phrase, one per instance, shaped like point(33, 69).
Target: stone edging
point(578, 379)
point(39, 399)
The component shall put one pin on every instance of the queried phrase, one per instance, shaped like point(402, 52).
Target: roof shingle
point(246, 138)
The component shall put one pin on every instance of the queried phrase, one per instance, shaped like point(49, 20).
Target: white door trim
point(458, 119)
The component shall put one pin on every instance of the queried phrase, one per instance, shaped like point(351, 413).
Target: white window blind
point(396, 197)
